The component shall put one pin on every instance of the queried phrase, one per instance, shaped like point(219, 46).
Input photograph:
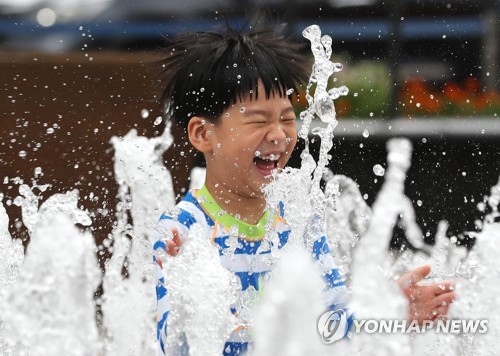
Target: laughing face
point(252, 139)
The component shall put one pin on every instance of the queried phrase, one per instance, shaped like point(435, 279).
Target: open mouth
point(266, 164)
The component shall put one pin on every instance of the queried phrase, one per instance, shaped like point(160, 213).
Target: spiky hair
point(203, 73)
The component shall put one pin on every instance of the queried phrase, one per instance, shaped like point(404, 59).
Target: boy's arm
point(169, 236)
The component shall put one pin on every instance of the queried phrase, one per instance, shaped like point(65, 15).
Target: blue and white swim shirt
point(248, 262)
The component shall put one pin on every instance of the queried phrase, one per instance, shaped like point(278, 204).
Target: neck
point(250, 209)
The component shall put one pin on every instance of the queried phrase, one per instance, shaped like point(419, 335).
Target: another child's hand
point(426, 302)
point(174, 244)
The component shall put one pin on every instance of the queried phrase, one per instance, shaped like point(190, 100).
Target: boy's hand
point(426, 302)
point(174, 244)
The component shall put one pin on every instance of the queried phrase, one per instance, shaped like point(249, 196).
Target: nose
point(276, 133)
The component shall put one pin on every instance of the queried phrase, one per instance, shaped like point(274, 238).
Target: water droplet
point(312, 32)
point(22, 153)
point(444, 36)
point(50, 130)
point(257, 153)
point(202, 90)
point(464, 174)
point(371, 114)
point(419, 202)
point(158, 120)
point(424, 140)
point(235, 65)
point(289, 92)
point(337, 67)
point(38, 170)
point(355, 95)
point(417, 105)
point(234, 230)
point(378, 170)
point(366, 133)
point(343, 90)
point(242, 109)
point(219, 145)
point(238, 76)
point(144, 113)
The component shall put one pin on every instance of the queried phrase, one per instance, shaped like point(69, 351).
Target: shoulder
point(187, 212)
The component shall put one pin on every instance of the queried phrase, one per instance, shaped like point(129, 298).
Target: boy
point(231, 92)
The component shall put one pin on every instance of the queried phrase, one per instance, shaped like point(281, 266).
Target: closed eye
point(257, 122)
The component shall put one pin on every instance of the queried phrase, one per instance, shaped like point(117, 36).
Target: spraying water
point(480, 274)
point(128, 301)
point(53, 293)
point(59, 273)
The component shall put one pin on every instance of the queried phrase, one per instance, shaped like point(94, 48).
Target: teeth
point(271, 157)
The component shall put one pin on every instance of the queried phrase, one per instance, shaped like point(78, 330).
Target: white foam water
point(145, 188)
point(47, 304)
point(478, 286)
point(371, 267)
point(201, 293)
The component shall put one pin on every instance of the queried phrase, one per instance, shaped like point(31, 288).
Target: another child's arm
point(429, 301)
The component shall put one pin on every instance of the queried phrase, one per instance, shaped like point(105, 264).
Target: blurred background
point(74, 73)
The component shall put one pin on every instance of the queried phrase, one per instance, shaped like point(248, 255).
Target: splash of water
point(11, 252)
point(128, 303)
point(285, 322)
point(347, 220)
point(58, 278)
point(479, 284)
point(11, 259)
point(296, 279)
point(372, 267)
point(201, 292)
point(60, 270)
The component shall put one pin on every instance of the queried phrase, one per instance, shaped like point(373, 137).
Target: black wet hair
point(204, 73)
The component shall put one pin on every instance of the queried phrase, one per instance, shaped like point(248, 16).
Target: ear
point(199, 133)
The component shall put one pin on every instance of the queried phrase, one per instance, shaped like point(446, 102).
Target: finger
point(443, 287)
point(177, 238)
point(414, 276)
point(444, 299)
point(440, 311)
point(159, 261)
point(172, 248)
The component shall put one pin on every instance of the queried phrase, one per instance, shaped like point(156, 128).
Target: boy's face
point(251, 140)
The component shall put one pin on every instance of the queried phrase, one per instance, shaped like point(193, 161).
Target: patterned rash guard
point(249, 261)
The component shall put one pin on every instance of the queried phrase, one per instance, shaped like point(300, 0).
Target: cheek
point(291, 140)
